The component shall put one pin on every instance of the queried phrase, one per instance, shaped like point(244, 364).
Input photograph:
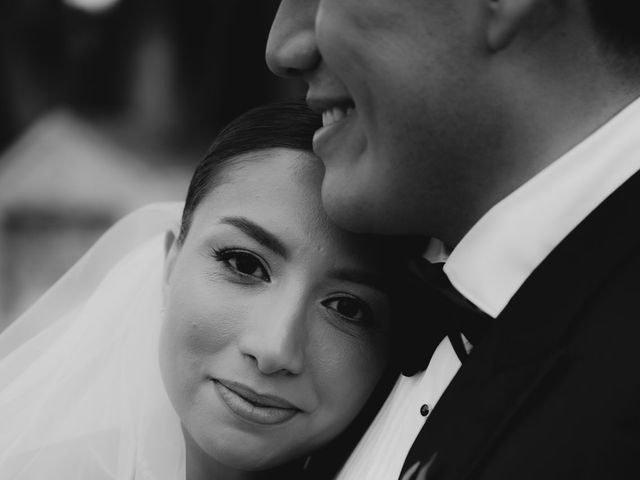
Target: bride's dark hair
point(288, 124)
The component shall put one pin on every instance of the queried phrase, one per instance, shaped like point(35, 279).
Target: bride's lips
point(252, 406)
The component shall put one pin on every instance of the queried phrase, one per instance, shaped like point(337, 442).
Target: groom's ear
point(507, 19)
point(171, 249)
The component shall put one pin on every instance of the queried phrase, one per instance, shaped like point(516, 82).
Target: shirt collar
point(503, 248)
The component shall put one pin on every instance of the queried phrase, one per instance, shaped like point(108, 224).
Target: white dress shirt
point(491, 263)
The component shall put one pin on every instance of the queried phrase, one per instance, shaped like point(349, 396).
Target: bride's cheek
point(201, 334)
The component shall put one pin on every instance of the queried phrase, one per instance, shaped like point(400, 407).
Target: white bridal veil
point(80, 389)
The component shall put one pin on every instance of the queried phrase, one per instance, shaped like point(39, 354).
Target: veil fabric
point(81, 395)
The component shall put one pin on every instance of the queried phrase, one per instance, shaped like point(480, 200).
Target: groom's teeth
point(334, 115)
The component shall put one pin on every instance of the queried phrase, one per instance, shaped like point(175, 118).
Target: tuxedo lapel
point(474, 410)
point(547, 305)
point(527, 345)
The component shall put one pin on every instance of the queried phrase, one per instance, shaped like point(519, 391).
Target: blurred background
point(106, 105)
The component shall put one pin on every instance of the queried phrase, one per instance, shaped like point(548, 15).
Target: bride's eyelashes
point(247, 267)
point(242, 263)
point(350, 309)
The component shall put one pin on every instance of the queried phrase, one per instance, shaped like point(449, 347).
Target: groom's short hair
point(616, 23)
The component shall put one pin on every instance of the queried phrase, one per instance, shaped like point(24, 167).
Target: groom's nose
point(292, 48)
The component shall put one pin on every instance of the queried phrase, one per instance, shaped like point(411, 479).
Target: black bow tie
point(449, 310)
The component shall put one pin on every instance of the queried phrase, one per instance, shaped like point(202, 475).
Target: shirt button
point(424, 410)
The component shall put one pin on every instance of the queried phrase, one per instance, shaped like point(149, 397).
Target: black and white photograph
point(319, 239)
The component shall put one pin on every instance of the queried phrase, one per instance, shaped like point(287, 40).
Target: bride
point(232, 342)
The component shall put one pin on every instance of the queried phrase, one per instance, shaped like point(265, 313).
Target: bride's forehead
point(281, 195)
point(270, 177)
point(284, 188)
point(268, 169)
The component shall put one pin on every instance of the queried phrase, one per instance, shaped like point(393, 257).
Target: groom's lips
point(336, 113)
point(254, 407)
point(321, 103)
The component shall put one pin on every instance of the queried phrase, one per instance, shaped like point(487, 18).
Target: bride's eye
point(349, 308)
point(243, 263)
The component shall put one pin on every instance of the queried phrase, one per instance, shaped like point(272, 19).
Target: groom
point(509, 129)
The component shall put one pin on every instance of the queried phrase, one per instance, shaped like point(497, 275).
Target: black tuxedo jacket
point(553, 391)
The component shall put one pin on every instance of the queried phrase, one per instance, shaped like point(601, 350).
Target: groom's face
point(392, 80)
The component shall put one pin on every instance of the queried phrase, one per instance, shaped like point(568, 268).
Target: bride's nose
point(275, 336)
point(291, 47)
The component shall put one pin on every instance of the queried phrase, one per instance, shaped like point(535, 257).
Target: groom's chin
point(362, 211)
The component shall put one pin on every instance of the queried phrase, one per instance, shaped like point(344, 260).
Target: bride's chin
point(223, 454)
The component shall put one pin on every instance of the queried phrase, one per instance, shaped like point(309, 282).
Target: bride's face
point(277, 322)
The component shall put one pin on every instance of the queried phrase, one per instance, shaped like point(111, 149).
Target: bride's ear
point(507, 18)
point(170, 254)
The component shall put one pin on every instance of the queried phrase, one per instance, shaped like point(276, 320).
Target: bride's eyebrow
point(259, 234)
point(363, 277)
